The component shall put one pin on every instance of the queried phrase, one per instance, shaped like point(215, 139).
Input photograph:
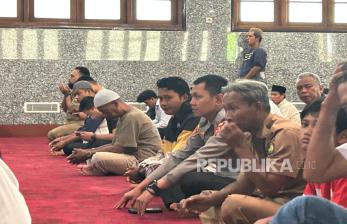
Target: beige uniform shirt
point(279, 144)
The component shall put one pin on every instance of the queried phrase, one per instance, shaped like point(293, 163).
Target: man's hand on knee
point(79, 156)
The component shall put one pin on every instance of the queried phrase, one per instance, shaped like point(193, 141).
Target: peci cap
point(105, 96)
point(82, 85)
point(277, 88)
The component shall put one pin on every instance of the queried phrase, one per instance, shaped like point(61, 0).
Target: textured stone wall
point(34, 61)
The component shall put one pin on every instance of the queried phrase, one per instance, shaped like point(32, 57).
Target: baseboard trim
point(26, 130)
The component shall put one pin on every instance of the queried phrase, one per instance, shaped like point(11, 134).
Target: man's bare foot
point(57, 153)
point(85, 170)
point(183, 212)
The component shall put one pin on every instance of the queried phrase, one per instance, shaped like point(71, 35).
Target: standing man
point(254, 60)
point(288, 110)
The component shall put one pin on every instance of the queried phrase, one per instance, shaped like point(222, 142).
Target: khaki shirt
point(136, 130)
point(279, 143)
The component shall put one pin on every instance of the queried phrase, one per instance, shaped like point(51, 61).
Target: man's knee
point(98, 158)
point(111, 163)
point(231, 207)
point(52, 134)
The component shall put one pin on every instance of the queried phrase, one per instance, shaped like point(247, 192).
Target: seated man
point(80, 90)
point(269, 145)
point(174, 99)
point(288, 110)
point(168, 179)
point(101, 136)
point(96, 87)
point(70, 106)
point(334, 190)
point(308, 87)
point(160, 119)
point(330, 162)
point(135, 139)
point(13, 207)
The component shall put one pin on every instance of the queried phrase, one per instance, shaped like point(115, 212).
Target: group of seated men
point(222, 154)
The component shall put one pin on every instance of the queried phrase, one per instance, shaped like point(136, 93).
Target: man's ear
point(219, 99)
point(185, 97)
point(341, 138)
point(258, 106)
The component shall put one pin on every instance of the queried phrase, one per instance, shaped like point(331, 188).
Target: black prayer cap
point(277, 88)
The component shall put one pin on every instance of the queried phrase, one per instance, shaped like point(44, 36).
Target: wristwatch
point(153, 188)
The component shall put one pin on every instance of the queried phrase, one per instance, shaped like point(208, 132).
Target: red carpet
point(56, 193)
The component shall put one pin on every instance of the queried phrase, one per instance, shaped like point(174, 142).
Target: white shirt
point(343, 150)
point(274, 109)
point(161, 118)
point(289, 111)
point(13, 208)
point(103, 128)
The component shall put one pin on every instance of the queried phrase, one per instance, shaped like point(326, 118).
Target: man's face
point(81, 93)
point(203, 104)
point(308, 89)
point(308, 124)
point(342, 93)
point(74, 76)
point(251, 39)
point(111, 109)
point(151, 102)
point(170, 101)
point(276, 97)
point(94, 113)
point(239, 111)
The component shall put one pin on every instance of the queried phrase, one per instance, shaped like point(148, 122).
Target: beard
point(70, 85)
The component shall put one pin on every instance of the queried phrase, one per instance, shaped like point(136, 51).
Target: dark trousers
point(194, 183)
point(80, 145)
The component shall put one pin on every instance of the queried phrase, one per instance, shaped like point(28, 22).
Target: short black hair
point(341, 121)
point(312, 108)
point(83, 71)
point(88, 79)
point(174, 83)
point(213, 83)
point(145, 95)
point(86, 103)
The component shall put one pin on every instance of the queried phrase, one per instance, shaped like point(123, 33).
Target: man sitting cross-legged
point(101, 136)
point(135, 139)
point(269, 145)
point(174, 99)
point(169, 180)
point(80, 90)
point(69, 105)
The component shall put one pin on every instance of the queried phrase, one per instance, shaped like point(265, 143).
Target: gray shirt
point(201, 145)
